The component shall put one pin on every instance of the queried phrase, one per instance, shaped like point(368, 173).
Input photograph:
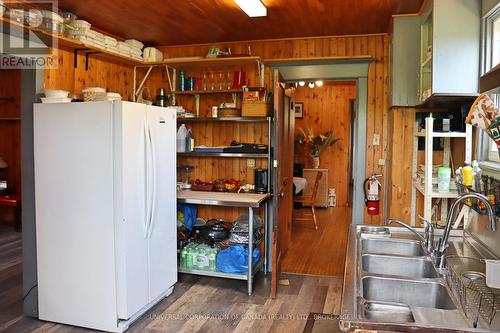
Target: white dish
point(56, 93)
point(135, 43)
point(55, 100)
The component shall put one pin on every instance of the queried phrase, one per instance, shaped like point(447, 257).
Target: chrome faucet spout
point(453, 208)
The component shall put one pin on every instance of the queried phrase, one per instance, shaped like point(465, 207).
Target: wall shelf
point(427, 188)
point(422, 134)
point(74, 45)
point(190, 62)
point(225, 119)
point(225, 155)
point(207, 92)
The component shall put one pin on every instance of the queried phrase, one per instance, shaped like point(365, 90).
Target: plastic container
point(181, 139)
point(444, 177)
point(81, 25)
point(493, 273)
point(467, 175)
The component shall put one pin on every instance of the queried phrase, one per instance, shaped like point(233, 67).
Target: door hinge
point(275, 163)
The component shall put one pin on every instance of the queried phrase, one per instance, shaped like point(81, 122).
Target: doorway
point(10, 149)
point(320, 109)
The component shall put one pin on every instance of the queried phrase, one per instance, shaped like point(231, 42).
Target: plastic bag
point(189, 212)
point(234, 259)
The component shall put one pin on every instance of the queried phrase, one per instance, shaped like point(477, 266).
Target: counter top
point(253, 200)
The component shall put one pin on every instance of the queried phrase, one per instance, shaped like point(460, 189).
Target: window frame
point(487, 33)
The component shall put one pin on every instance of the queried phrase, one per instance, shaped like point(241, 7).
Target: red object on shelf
point(13, 201)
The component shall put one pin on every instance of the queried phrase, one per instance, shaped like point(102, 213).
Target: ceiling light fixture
point(253, 8)
point(311, 85)
point(319, 83)
point(302, 83)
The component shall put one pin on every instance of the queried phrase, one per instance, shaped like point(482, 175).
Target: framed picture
point(298, 109)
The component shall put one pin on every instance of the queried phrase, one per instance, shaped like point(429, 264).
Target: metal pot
point(214, 230)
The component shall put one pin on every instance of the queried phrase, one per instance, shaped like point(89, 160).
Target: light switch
point(376, 139)
point(381, 161)
point(250, 163)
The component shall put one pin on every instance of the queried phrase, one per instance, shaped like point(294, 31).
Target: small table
point(9, 200)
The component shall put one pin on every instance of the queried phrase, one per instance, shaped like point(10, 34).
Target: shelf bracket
point(75, 56)
point(136, 92)
point(87, 53)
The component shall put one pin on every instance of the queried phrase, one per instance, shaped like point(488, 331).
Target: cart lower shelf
point(242, 276)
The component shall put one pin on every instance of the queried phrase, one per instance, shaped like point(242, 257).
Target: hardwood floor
point(198, 304)
point(320, 252)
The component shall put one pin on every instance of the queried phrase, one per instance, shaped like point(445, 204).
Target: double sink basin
point(397, 280)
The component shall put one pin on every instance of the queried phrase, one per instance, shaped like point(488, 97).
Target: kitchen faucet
point(443, 242)
point(428, 240)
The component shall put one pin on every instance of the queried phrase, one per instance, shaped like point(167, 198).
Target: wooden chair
point(309, 200)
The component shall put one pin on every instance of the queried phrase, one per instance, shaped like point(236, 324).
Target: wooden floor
point(198, 304)
point(321, 251)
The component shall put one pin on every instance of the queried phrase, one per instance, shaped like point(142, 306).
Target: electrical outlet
point(250, 163)
point(376, 139)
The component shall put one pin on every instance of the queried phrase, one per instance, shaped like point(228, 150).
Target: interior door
point(283, 180)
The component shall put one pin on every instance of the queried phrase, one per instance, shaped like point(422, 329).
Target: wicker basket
point(228, 112)
point(202, 187)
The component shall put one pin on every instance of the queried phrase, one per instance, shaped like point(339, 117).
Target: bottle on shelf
point(467, 174)
point(182, 80)
point(181, 139)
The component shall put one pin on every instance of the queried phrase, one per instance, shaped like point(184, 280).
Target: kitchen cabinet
point(449, 49)
point(404, 60)
point(322, 195)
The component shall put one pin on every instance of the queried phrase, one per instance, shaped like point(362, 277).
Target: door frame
point(341, 70)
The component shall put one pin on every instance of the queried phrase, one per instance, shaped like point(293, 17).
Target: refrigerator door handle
point(147, 186)
point(154, 180)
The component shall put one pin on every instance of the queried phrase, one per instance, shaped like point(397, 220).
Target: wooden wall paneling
point(327, 108)
point(101, 73)
point(374, 45)
point(10, 87)
point(400, 175)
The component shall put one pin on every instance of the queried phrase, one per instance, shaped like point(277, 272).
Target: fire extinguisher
point(371, 187)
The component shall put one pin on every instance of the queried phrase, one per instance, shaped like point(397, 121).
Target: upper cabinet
point(404, 60)
point(449, 49)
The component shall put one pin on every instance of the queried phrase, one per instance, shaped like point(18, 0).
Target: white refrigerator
point(105, 189)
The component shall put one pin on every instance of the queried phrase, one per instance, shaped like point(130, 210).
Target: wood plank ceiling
point(180, 22)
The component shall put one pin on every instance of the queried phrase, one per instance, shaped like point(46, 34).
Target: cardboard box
point(251, 96)
point(256, 109)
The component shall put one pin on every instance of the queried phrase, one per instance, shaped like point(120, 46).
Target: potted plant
point(316, 143)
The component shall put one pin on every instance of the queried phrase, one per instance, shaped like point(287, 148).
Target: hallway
point(320, 252)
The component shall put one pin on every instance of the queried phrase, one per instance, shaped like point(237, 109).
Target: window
point(487, 148)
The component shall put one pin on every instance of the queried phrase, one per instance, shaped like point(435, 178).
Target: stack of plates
point(56, 96)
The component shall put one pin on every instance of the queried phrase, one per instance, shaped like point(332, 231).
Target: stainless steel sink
point(417, 267)
point(429, 294)
point(387, 312)
point(392, 247)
